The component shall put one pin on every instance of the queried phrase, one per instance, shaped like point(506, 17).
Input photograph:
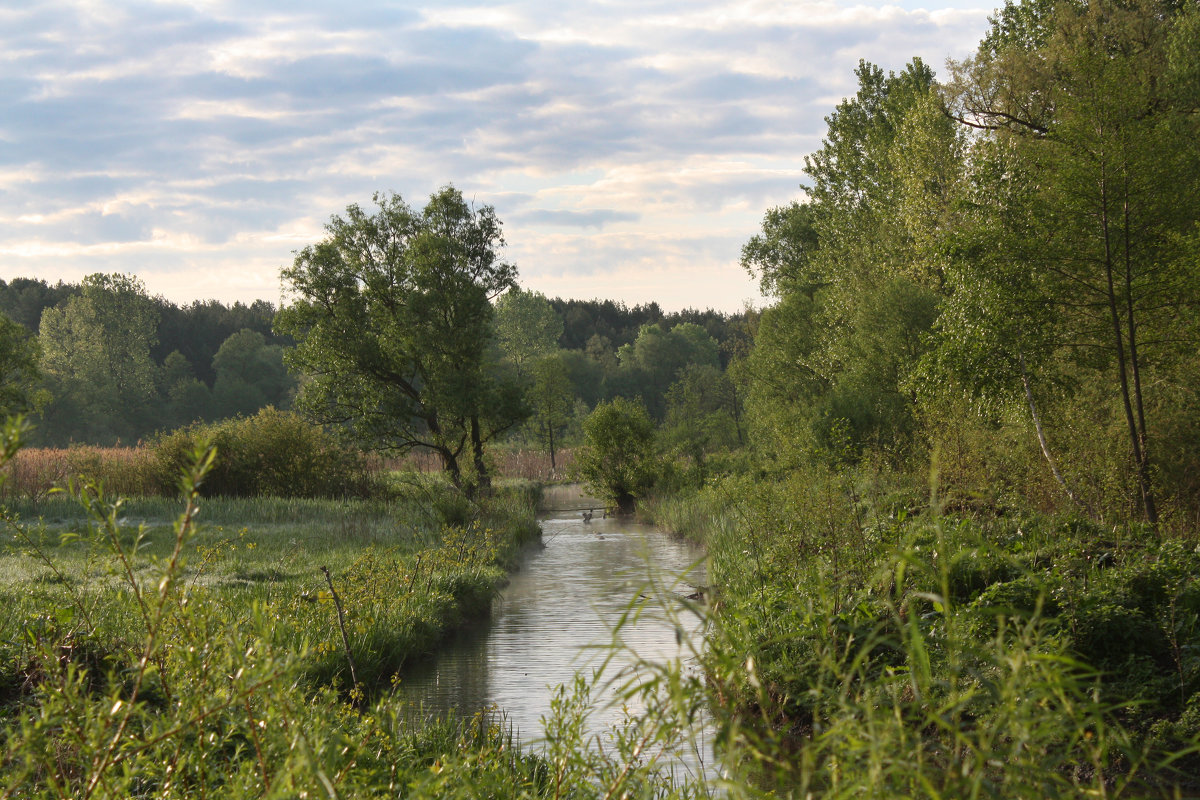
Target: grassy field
point(236, 647)
point(250, 648)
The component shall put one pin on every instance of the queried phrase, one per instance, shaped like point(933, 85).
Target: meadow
point(192, 646)
point(865, 638)
point(870, 639)
point(255, 647)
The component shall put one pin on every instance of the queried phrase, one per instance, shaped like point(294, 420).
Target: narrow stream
point(562, 602)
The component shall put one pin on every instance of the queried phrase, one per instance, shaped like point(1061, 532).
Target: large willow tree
point(392, 318)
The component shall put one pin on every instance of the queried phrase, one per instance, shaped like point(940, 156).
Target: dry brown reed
point(126, 471)
point(130, 471)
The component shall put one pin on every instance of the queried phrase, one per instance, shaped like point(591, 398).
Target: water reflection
point(562, 604)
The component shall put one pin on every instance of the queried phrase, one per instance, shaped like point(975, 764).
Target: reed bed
point(127, 471)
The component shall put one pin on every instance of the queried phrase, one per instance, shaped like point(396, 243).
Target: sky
point(630, 147)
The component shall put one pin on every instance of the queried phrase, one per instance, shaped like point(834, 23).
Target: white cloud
point(631, 146)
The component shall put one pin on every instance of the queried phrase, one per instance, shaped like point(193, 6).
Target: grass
point(195, 646)
point(861, 643)
point(866, 644)
point(145, 654)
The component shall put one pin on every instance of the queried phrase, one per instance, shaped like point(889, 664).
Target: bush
point(272, 453)
point(617, 461)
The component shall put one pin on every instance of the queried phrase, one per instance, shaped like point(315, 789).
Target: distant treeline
point(108, 363)
point(116, 364)
point(596, 324)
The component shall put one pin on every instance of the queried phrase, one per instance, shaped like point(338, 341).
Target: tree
point(392, 319)
point(24, 299)
point(198, 330)
point(527, 327)
point(651, 363)
point(552, 399)
point(780, 255)
point(18, 369)
point(250, 375)
point(857, 273)
point(617, 461)
point(702, 412)
point(1093, 110)
point(96, 358)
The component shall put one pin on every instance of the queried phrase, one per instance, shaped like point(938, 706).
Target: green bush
point(617, 461)
point(273, 453)
point(973, 571)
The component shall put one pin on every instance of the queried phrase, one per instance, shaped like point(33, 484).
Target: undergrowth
point(867, 644)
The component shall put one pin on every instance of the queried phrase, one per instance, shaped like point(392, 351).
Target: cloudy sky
point(629, 146)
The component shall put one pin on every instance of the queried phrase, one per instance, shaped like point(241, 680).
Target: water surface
point(557, 614)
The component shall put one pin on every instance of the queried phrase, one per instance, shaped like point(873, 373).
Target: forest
point(948, 479)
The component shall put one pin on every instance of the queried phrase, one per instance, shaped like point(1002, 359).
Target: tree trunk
point(1147, 498)
point(1041, 437)
point(450, 466)
point(483, 479)
point(449, 457)
point(1143, 465)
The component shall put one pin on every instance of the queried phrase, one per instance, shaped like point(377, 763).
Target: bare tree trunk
point(1135, 439)
point(1143, 464)
point(1041, 437)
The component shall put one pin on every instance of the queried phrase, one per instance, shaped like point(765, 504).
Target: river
point(558, 613)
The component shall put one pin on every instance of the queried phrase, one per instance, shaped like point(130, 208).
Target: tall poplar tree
point(1089, 167)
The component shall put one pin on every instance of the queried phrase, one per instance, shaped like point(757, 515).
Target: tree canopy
point(392, 318)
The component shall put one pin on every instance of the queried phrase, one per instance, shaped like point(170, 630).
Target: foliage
point(182, 349)
point(392, 318)
point(273, 453)
point(1077, 210)
point(198, 329)
point(19, 355)
point(552, 401)
point(703, 413)
point(207, 667)
point(653, 361)
point(781, 254)
point(527, 327)
point(250, 375)
point(858, 284)
point(892, 650)
point(96, 358)
point(617, 460)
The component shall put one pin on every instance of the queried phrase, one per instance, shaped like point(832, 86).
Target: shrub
point(271, 453)
point(973, 571)
point(617, 461)
point(1109, 632)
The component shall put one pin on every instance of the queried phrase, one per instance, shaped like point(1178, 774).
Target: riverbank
point(893, 648)
point(244, 646)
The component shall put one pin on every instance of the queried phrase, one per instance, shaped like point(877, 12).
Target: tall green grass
point(866, 644)
point(858, 642)
point(146, 653)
